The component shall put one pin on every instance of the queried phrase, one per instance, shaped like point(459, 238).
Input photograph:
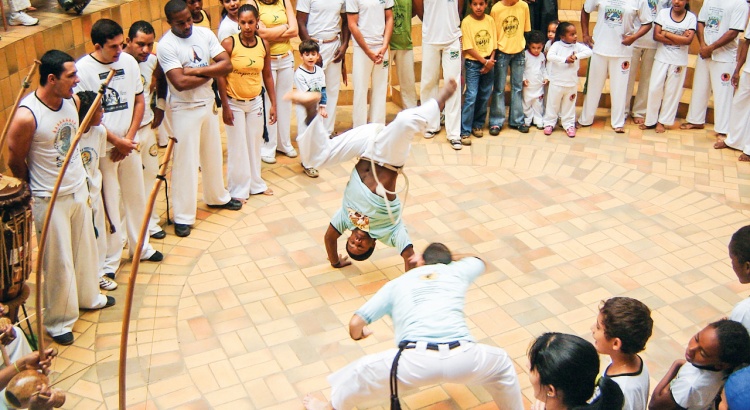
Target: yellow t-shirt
point(205, 22)
point(510, 23)
point(480, 35)
point(246, 78)
point(273, 15)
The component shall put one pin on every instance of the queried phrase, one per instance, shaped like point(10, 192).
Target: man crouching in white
point(434, 343)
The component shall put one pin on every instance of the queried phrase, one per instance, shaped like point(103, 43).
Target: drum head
point(13, 191)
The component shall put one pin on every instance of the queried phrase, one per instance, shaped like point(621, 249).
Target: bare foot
point(720, 144)
point(744, 158)
point(646, 127)
point(243, 200)
point(720, 135)
point(312, 403)
point(268, 192)
point(689, 126)
point(30, 9)
point(638, 120)
point(620, 130)
point(660, 128)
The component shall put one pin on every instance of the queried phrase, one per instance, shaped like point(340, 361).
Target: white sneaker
point(22, 19)
point(106, 283)
point(292, 153)
point(268, 160)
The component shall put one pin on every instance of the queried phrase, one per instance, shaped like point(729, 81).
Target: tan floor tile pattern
point(247, 313)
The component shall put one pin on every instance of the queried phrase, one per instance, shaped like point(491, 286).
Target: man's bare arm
point(20, 134)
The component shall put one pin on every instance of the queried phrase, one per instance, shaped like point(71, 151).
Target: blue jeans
point(478, 91)
point(516, 63)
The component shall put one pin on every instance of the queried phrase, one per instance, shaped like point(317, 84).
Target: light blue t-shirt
point(426, 303)
point(363, 209)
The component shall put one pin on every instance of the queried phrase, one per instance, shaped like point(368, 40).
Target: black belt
point(407, 344)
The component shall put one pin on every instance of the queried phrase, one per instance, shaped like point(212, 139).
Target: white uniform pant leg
point(97, 208)
point(672, 93)
point(318, 151)
point(533, 110)
point(619, 70)
point(279, 134)
point(431, 57)
point(18, 5)
point(150, 159)
point(635, 64)
point(657, 84)
point(165, 128)
point(333, 83)
point(646, 62)
point(379, 90)
point(700, 93)
point(404, 62)
point(392, 144)
point(721, 84)
point(211, 160)
point(597, 76)
point(362, 69)
point(554, 96)
point(567, 111)
point(739, 129)
point(244, 140)
point(451, 62)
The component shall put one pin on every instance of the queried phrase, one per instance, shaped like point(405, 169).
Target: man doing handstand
point(370, 208)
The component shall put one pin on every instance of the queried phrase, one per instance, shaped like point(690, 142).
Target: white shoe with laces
point(20, 18)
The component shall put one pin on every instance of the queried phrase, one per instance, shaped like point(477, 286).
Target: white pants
point(123, 181)
point(711, 76)
point(739, 129)
point(404, 62)
point(561, 102)
point(449, 57)
point(197, 129)
point(388, 144)
point(643, 59)
point(333, 82)
point(618, 69)
point(364, 70)
point(71, 279)
point(150, 159)
point(279, 134)
point(18, 5)
point(244, 140)
point(165, 128)
point(97, 209)
point(533, 108)
point(471, 364)
point(665, 91)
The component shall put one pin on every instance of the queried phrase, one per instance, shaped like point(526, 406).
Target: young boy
point(480, 37)
point(694, 382)
point(534, 79)
point(739, 253)
point(621, 330)
point(310, 78)
point(93, 144)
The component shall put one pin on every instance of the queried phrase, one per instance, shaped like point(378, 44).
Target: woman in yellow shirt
point(278, 26)
point(242, 105)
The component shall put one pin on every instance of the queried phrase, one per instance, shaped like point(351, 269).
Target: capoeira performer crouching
point(370, 209)
point(434, 343)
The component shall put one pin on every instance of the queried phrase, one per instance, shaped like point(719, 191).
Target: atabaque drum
point(15, 240)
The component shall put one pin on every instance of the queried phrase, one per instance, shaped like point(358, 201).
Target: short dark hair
point(140, 26)
point(173, 7)
point(308, 46)
point(363, 256)
point(629, 320)
point(103, 30)
point(536, 37)
point(437, 253)
point(734, 342)
point(53, 62)
point(739, 245)
point(561, 29)
point(86, 100)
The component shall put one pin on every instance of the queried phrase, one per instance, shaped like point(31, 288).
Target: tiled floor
point(246, 313)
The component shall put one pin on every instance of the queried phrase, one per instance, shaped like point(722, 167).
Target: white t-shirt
point(746, 67)
point(535, 72)
point(227, 28)
point(668, 54)
point(371, 20)
point(441, 23)
point(696, 389)
point(720, 16)
point(324, 17)
point(426, 303)
point(616, 17)
point(147, 76)
point(647, 40)
point(119, 98)
point(741, 313)
point(194, 51)
point(93, 145)
point(311, 81)
point(635, 387)
point(559, 72)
